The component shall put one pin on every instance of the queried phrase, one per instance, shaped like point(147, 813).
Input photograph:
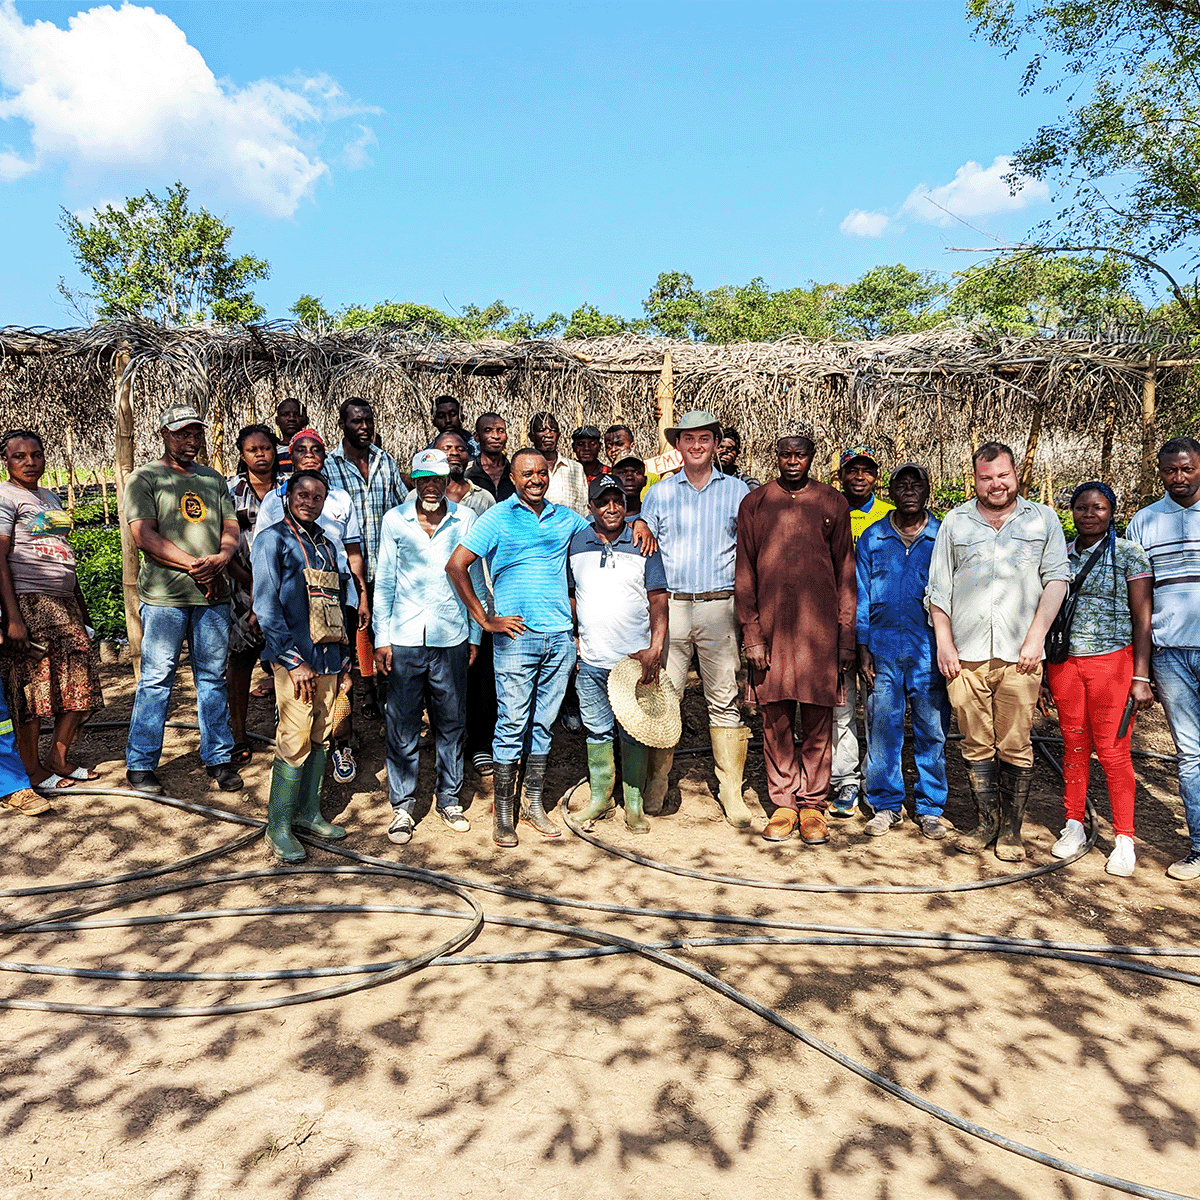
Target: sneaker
point(481, 760)
point(27, 802)
point(144, 781)
point(225, 777)
point(882, 821)
point(931, 827)
point(571, 721)
point(454, 817)
point(845, 803)
point(1121, 860)
point(1071, 841)
point(1186, 868)
point(401, 829)
point(344, 767)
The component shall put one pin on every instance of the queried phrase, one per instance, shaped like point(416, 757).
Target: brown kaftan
point(795, 588)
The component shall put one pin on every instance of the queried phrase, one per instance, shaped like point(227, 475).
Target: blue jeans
point(443, 670)
point(594, 709)
point(163, 632)
point(1177, 673)
point(532, 673)
point(921, 687)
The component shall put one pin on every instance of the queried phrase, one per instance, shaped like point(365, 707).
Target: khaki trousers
point(995, 708)
point(708, 627)
point(302, 726)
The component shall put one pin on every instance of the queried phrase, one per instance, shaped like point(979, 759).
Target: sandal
point(82, 774)
point(261, 691)
point(54, 783)
point(241, 754)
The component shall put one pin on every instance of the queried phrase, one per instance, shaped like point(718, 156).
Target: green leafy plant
point(98, 569)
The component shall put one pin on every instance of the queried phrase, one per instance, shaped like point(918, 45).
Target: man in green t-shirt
point(181, 517)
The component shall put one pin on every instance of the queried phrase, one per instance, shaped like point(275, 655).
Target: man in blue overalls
point(897, 655)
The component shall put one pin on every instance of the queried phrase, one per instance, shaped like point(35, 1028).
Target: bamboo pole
point(124, 428)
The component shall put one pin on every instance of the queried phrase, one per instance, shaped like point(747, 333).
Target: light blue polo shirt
point(526, 553)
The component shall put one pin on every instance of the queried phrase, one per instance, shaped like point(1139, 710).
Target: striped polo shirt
point(526, 554)
point(1170, 535)
point(696, 530)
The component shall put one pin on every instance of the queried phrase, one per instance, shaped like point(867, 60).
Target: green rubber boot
point(634, 757)
point(602, 775)
point(308, 810)
point(285, 795)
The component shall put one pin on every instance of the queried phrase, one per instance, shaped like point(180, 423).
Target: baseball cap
point(430, 462)
point(602, 484)
point(587, 431)
point(911, 466)
point(853, 452)
point(629, 458)
point(178, 416)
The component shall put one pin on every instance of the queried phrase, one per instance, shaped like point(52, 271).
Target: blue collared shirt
point(696, 530)
point(526, 554)
point(382, 490)
point(415, 602)
point(891, 619)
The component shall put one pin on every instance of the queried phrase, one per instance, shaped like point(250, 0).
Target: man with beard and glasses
point(481, 678)
point(795, 603)
point(997, 578)
point(525, 540)
point(427, 641)
point(490, 468)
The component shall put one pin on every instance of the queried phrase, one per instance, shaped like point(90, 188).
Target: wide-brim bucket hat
point(648, 712)
point(697, 419)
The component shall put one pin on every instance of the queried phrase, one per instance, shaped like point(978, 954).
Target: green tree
point(1123, 161)
point(1029, 293)
point(156, 258)
point(588, 321)
point(420, 318)
point(309, 310)
point(889, 300)
point(674, 308)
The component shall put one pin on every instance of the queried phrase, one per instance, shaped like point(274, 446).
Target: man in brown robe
point(795, 598)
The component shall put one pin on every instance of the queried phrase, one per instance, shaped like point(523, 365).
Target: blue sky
point(544, 154)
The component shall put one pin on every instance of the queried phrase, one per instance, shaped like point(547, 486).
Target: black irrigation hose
point(603, 944)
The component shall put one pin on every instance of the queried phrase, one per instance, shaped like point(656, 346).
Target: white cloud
point(974, 191)
point(865, 224)
point(354, 154)
point(120, 92)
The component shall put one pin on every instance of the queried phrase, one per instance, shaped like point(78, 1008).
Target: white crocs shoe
point(1071, 841)
point(1121, 860)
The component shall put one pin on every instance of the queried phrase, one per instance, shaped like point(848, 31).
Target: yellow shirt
point(860, 518)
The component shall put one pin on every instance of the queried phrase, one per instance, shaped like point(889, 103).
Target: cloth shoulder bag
point(1058, 636)
point(326, 622)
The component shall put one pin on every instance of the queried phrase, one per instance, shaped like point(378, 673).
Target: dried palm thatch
point(930, 395)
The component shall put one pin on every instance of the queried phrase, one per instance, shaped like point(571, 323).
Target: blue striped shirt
point(526, 553)
point(1170, 535)
point(696, 530)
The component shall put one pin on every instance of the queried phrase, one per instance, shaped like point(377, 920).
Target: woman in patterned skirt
point(50, 663)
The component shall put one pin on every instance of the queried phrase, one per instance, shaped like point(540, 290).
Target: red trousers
point(803, 783)
point(1090, 694)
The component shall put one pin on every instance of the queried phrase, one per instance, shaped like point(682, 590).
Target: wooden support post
point(69, 455)
point(1148, 475)
point(664, 398)
point(901, 450)
point(1025, 480)
point(102, 480)
point(1106, 438)
point(123, 421)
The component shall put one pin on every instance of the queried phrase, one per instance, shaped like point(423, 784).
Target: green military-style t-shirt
point(190, 510)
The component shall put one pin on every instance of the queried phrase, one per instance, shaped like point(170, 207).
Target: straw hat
point(648, 712)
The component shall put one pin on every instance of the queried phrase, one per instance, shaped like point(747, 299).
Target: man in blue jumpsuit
point(897, 655)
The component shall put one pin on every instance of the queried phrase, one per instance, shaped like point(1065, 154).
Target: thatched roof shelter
point(930, 395)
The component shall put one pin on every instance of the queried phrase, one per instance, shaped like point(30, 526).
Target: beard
point(429, 506)
point(457, 473)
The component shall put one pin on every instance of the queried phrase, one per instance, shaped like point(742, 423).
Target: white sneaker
point(455, 818)
point(1121, 860)
point(1071, 841)
point(401, 829)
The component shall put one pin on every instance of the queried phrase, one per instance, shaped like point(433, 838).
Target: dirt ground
point(607, 1075)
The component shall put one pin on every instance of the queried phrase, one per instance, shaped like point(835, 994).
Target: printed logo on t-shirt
point(47, 532)
point(193, 508)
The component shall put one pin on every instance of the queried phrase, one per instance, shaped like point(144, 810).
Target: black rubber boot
point(984, 780)
point(532, 812)
point(504, 781)
point(1014, 800)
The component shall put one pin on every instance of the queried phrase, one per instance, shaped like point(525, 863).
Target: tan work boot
point(658, 771)
point(729, 759)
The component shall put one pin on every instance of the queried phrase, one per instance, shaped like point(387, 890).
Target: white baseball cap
point(430, 462)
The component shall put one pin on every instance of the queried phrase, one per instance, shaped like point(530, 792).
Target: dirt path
point(599, 1076)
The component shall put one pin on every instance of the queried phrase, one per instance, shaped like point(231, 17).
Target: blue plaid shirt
point(382, 490)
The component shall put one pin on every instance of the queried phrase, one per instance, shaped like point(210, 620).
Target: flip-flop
point(83, 775)
point(54, 783)
point(241, 753)
point(261, 691)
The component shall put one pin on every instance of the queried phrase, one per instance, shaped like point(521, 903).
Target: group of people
point(496, 593)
